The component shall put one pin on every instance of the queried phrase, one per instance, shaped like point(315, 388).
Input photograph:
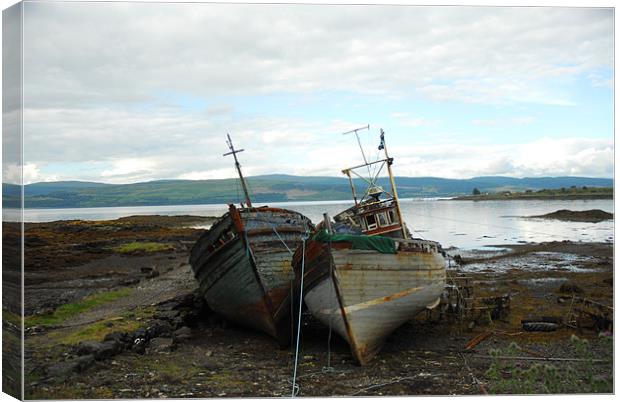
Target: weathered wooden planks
point(243, 266)
point(365, 295)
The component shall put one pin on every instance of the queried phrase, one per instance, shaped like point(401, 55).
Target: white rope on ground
point(295, 388)
point(396, 380)
point(329, 367)
point(473, 376)
point(321, 372)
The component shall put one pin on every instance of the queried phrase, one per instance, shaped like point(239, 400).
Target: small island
point(572, 193)
point(592, 215)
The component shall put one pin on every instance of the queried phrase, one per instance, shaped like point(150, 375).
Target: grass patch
point(11, 317)
point(62, 391)
point(143, 247)
point(157, 370)
point(69, 310)
point(97, 331)
point(582, 376)
point(226, 379)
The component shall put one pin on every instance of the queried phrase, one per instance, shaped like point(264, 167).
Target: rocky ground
point(112, 313)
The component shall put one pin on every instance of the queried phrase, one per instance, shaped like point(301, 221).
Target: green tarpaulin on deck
point(382, 244)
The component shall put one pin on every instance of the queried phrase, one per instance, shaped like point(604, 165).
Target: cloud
point(125, 146)
point(503, 90)
point(518, 121)
point(111, 52)
point(407, 120)
point(524, 120)
point(206, 174)
point(542, 157)
point(130, 170)
point(14, 173)
point(484, 122)
point(326, 154)
point(142, 91)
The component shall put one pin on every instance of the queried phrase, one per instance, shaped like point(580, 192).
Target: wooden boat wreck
point(243, 264)
point(363, 275)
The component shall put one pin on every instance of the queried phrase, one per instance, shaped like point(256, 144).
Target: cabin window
point(392, 217)
point(382, 218)
point(371, 222)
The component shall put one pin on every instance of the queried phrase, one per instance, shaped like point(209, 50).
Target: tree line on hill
point(264, 189)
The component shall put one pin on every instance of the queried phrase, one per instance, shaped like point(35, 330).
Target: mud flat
point(123, 321)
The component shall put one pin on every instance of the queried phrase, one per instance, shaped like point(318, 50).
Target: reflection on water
point(463, 224)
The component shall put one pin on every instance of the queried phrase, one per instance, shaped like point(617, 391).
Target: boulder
point(108, 349)
point(166, 315)
point(178, 322)
point(100, 350)
point(139, 346)
point(152, 274)
point(130, 281)
point(183, 333)
point(138, 333)
point(60, 370)
point(88, 348)
point(121, 338)
point(158, 328)
point(160, 345)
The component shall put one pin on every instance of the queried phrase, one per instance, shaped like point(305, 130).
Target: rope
point(248, 251)
point(329, 336)
point(329, 367)
point(397, 380)
point(321, 372)
point(285, 245)
point(473, 376)
point(295, 388)
point(458, 292)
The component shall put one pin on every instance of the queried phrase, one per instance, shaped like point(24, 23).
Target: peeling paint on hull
point(365, 295)
point(243, 266)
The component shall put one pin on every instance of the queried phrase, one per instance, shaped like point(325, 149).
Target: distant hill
point(267, 188)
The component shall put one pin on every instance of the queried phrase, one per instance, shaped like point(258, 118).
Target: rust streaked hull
point(365, 295)
point(244, 268)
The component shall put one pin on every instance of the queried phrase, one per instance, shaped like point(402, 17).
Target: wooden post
point(393, 184)
point(348, 173)
point(234, 153)
point(327, 222)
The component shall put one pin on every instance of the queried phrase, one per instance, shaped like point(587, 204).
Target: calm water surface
point(463, 224)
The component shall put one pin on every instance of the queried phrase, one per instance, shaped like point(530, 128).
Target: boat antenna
point(392, 183)
point(367, 127)
point(234, 153)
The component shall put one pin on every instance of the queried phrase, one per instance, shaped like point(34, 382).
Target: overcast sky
point(127, 92)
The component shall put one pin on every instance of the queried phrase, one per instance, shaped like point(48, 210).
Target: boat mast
point(393, 184)
point(348, 173)
point(234, 153)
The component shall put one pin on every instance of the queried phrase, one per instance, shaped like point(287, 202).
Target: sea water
point(462, 224)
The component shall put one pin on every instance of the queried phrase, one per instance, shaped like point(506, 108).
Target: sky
point(130, 92)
